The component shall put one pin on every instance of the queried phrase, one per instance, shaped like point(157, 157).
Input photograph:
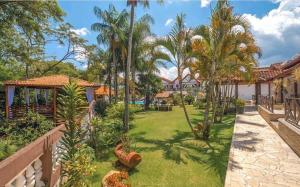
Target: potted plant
point(240, 106)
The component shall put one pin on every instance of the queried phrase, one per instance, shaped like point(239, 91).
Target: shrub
point(7, 148)
point(106, 133)
point(100, 107)
point(176, 99)
point(240, 103)
point(116, 111)
point(189, 99)
point(14, 134)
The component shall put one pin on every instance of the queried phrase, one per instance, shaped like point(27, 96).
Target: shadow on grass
point(183, 148)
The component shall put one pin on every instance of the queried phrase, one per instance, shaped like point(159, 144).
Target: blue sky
point(275, 23)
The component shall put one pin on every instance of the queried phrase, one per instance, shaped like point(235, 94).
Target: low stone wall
point(267, 115)
point(37, 164)
point(289, 133)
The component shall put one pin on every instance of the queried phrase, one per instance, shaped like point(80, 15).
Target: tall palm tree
point(111, 32)
point(222, 50)
point(132, 4)
point(178, 51)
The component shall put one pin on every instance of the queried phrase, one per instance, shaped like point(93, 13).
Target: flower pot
point(129, 160)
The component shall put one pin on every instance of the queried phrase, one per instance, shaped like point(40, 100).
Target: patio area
point(259, 157)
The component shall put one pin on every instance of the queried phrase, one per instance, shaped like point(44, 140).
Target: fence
point(267, 102)
point(292, 111)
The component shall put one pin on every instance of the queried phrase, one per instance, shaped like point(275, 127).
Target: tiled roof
point(49, 81)
point(266, 73)
point(103, 90)
point(164, 94)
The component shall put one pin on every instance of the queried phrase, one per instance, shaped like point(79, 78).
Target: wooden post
point(295, 89)
point(281, 91)
point(54, 104)
point(269, 89)
point(6, 102)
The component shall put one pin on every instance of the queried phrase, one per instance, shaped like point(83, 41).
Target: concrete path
point(259, 157)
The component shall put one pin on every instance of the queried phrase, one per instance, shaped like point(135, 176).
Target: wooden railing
point(36, 164)
point(19, 111)
point(267, 102)
point(292, 111)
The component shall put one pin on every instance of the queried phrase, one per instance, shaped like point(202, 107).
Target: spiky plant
point(76, 156)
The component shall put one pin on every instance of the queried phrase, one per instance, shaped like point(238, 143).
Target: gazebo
point(40, 89)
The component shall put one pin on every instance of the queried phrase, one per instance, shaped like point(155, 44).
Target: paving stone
point(259, 157)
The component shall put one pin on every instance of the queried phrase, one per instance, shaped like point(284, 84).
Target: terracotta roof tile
point(103, 90)
point(49, 81)
point(164, 94)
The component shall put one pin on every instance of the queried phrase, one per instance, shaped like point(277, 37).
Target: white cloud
point(277, 33)
point(204, 3)
point(169, 22)
point(81, 32)
point(80, 53)
point(171, 73)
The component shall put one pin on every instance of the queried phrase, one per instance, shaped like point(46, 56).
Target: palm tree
point(141, 31)
point(132, 4)
point(178, 52)
point(111, 32)
point(221, 51)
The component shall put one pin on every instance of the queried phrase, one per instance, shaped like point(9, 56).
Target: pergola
point(46, 85)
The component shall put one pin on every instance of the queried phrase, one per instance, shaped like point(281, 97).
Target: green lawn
point(171, 157)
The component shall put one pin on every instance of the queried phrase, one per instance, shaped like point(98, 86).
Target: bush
point(106, 133)
point(189, 99)
point(200, 103)
point(176, 99)
point(116, 111)
point(100, 107)
point(240, 103)
point(14, 134)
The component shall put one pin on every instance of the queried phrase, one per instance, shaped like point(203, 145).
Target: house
point(189, 84)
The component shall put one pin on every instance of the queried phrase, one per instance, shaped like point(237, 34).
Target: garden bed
point(15, 134)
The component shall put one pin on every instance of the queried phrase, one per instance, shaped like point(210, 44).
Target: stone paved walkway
point(259, 157)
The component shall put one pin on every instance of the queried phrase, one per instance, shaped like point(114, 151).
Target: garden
point(170, 154)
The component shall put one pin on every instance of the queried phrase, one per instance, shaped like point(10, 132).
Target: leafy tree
point(76, 156)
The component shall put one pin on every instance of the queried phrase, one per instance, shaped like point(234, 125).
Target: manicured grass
point(171, 156)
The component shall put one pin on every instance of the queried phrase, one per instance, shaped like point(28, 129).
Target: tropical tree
point(141, 30)
point(111, 32)
point(177, 49)
point(225, 50)
point(76, 156)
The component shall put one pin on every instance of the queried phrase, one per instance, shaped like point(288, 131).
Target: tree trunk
point(109, 82)
point(183, 105)
point(115, 76)
point(126, 117)
point(133, 81)
point(209, 99)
